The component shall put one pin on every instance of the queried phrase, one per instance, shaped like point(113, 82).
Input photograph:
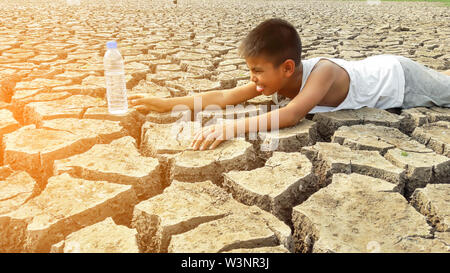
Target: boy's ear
point(288, 67)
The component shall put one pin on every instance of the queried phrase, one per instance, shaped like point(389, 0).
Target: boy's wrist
point(166, 105)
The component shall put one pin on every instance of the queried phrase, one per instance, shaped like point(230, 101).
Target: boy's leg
point(424, 86)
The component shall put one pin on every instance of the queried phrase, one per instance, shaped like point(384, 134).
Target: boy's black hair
point(275, 39)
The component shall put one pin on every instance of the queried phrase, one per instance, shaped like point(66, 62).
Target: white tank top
point(377, 82)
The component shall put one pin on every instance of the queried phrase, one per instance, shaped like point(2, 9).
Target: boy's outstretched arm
point(316, 88)
point(318, 84)
point(220, 98)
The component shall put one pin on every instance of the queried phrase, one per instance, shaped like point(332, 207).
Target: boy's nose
point(253, 79)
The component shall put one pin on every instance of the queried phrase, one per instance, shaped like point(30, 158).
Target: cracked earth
point(74, 178)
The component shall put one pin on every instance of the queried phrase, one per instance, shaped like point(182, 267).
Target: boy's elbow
point(291, 118)
point(295, 119)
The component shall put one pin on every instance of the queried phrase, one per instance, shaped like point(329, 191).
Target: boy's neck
point(295, 83)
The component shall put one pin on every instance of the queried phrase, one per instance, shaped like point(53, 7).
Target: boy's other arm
point(316, 88)
point(318, 84)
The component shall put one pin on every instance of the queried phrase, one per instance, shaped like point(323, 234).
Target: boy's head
point(273, 52)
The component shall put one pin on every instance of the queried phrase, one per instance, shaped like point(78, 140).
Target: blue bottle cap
point(111, 44)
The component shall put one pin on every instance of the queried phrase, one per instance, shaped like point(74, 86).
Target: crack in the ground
point(195, 38)
point(54, 129)
point(15, 195)
point(413, 236)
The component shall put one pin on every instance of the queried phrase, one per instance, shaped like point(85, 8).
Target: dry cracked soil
point(74, 178)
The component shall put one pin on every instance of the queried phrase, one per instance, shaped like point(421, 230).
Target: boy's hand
point(212, 135)
point(145, 103)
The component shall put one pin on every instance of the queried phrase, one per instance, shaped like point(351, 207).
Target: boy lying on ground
point(272, 52)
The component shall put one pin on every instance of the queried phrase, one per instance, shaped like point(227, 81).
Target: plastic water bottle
point(116, 91)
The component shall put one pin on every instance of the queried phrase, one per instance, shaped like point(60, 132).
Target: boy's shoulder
point(325, 81)
point(318, 67)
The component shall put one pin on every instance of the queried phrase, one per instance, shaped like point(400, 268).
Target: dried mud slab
point(34, 150)
point(193, 65)
point(75, 76)
point(71, 107)
point(104, 131)
point(267, 249)
point(137, 70)
point(288, 139)
point(165, 141)
point(66, 205)
point(328, 123)
point(43, 58)
point(285, 181)
point(224, 234)
point(7, 122)
point(418, 116)
point(420, 168)
point(435, 135)
point(357, 213)
point(62, 55)
point(102, 237)
point(150, 88)
point(188, 56)
point(40, 83)
point(259, 100)
point(82, 89)
point(179, 208)
point(229, 79)
point(213, 114)
point(132, 120)
point(331, 158)
point(7, 125)
point(198, 165)
point(422, 165)
point(432, 201)
point(175, 115)
point(184, 207)
point(376, 138)
point(117, 162)
point(169, 138)
point(5, 105)
point(16, 188)
point(194, 85)
point(21, 99)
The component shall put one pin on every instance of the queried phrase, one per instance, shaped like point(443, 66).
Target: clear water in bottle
point(116, 91)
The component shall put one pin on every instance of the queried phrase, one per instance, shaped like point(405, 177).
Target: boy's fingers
point(215, 143)
point(195, 144)
point(199, 135)
point(210, 139)
point(133, 102)
point(141, 108)
point(194, 138)
point(135, 96)
point(199, 139)
point(136, 99)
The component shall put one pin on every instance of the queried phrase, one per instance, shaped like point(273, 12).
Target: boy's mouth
point(259, 88)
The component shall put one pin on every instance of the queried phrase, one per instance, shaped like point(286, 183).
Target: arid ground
point(74, 178)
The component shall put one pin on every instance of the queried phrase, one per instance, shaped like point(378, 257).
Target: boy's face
point(268, 79)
